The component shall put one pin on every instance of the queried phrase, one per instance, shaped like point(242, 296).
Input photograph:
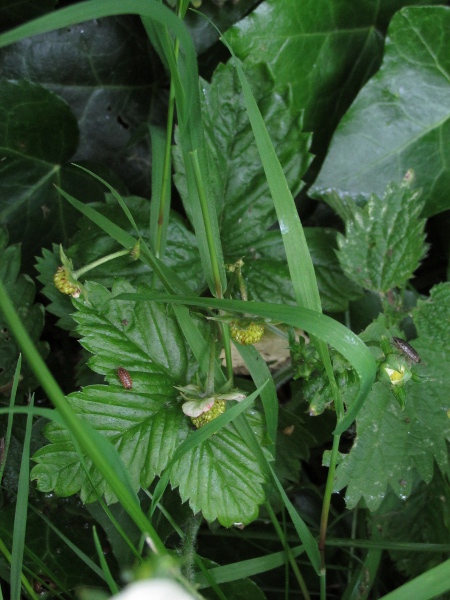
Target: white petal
point(156, 589)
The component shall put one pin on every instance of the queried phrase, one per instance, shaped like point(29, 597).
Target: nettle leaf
point(143, 418)
point(21, 290)
point(221, 477)
point(399, 120)
point(384, 241)
point(421, 519)
point(391, 444)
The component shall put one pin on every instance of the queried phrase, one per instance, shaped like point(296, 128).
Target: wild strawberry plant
point(174, 240)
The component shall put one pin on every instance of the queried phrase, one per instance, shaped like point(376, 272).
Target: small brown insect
point(406, 349)
point(125, 378)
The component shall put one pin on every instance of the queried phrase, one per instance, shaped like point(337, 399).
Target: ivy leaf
point(221, 477)
point(384, 241)
point(30, 206)
point(109, 88)
point(399, 120)
point(21, 290)
point(391, 444)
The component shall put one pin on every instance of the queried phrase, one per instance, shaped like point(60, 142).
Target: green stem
point(288, 551)
point(99, 262)
point(207, 222)
point(325, 514)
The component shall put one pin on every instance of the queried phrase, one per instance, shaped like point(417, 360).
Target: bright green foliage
point(424, 518)
point(392, 444)
point(221, 477)
point(146, 423)
point(399, 120)
point(244, 205)
point(21, 291)
point(384, 241)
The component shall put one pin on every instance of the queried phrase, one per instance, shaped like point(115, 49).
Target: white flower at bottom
point(154, 589)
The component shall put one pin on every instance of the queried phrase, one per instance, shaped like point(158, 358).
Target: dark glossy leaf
point(38, 134)
point(400, 119)
point(325, 51)
point(21, 290)
point(14, 13)
point(103, 70)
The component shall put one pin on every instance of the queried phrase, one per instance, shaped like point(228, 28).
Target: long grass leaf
point(20, 517)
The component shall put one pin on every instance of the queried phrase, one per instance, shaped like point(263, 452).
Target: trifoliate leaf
point(221, 477)
point(21, 291)
point(144, 420)
point(92, 243)
point(133, 335)
point(391, 443)
point(384, 241)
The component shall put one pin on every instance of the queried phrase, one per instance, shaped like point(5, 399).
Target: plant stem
point(325, 513)
point(99, 262)
point(288, 551)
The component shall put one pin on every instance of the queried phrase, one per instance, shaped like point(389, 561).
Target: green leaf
point(136, 336)
point(421, 519)
point(221, 476)
point(30, 206)
point(244, 206)
point(21, 291)
point(299, 41)
point(60, 304)
point(144, 424)
point(399, 120)
point(392, 443)
point(108, 95)
point(384, 241)
point(90, 243)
